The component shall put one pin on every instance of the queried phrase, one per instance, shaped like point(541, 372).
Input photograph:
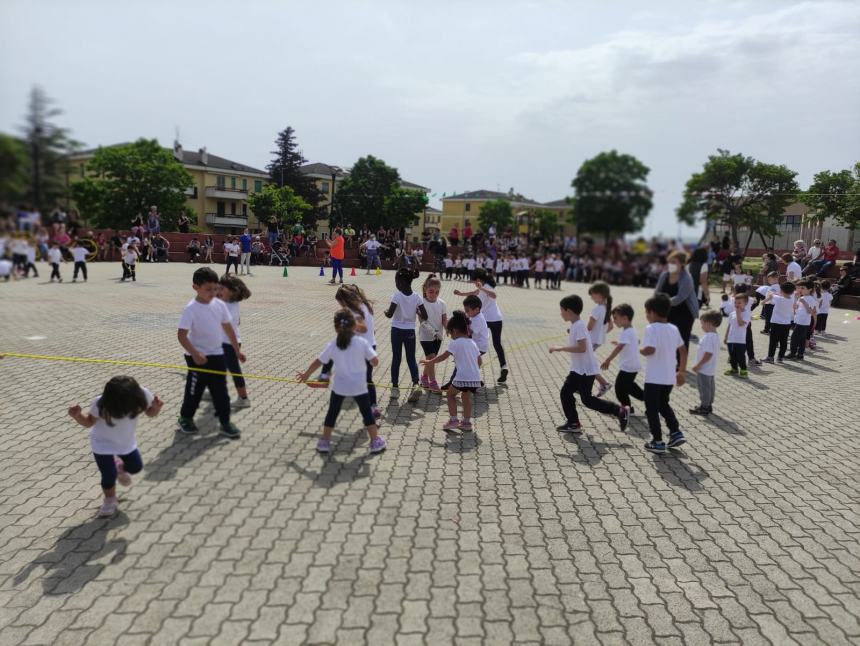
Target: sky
point(485, 94)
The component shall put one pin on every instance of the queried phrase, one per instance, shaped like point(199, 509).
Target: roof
point(492, 195)
point(558, 203)
point(318, 168)
point(431, 210)
point(189, 158)
point(412, 185)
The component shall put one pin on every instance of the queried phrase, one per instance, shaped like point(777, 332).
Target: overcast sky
point(457, 95)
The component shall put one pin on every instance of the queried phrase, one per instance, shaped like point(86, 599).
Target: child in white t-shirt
point(6, 270)
point(599, 323)
point(491, 314)
point(823, 308)
point(129, 266)
point(706, 362)
point(538, 269)
point(659, 345)
point(55, 257)
point(583, 370)
point(349, 353)
point(405, 304)
point(804, 317)
point(232, 291)
point(431, 331)
point(113, 419)
point(232, 251)
point(627, 346)
point(780, 320)
point(467, 371)
point(736, 337)
point(79, 255)
point(727, 306)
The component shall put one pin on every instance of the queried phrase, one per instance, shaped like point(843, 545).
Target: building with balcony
point(457, 209)
point(219, 196)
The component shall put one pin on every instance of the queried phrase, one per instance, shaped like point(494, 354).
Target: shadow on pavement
point(456, 442)
point(68, 566)
point(333, 472)
point(723, 424)
point(677, 470)
point(185, 449)
point(590, 452)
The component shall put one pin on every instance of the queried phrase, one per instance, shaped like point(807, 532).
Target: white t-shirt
point(480, 332)
point(204, 324)
point(824, 303)
point(470, 263)
point(350, 368)
point(741, 279)
point(660, 366)
point(117, 439)
point(783, 309)
point(598, 330)
point(431, 329)
point(5, 267)
point(372, 246)
point(582, 363)
point(630, 354)
point(559, 265)
point(489, 307)
point(130, 257)
point(448, 263)
point(801, 316)
point(407, 307)
point(709, 342)
point(728, 307)
point(54, 255)
point(368, 336)
point(737, 329)
point(538, 266)
point(465, 354)
point(232, 249)
point(793, 271)
point(233, 308)
point(79, 254)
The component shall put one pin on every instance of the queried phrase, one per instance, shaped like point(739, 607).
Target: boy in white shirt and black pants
point(203, 321)
point(659, 344)
point(736, 337)
point(628, 347)
point(780, 320)
point(79, 254)
point(55, 257)
point(804, 315)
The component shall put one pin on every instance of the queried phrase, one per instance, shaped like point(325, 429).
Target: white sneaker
point(108, 507)
point(241, 402)
point(123, 477)
point(414, 395)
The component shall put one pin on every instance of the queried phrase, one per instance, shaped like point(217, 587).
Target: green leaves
point(282, 203)
point(496, 213)
point(834, 195)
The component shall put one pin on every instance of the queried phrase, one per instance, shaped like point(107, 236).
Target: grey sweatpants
point(707, 389)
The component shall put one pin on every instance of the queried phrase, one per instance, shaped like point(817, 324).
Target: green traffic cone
point(286, 273)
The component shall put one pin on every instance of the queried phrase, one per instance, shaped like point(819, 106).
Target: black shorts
point(431, 347)
point(464, 389)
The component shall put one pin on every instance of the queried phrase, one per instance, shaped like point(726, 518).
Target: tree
point(835, 195)
point(13, 169)
point(283, 203)
point(496, 213)
point(547, 224)
point(285, 170)
point(371, 194)
point(611, 195)
point(47, 146)
point(126, 180)
point(739, 192)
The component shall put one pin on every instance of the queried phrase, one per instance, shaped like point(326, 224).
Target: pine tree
point(285, 170)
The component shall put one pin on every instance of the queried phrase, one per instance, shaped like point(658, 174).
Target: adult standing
point(454, 236)
point(153, 222)
point(678, 285)
point(372, 247)
point(245, 243)
point(336, 245)
point(272, 230)
point(183, 223)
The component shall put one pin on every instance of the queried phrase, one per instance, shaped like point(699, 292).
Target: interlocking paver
point(512, 534)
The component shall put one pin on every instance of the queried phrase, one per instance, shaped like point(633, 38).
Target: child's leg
point(194, 387)
point(451, 396)
point(622, 387)
point(429, 368)
point(466, 396)
point(773, 341)
point(733, 357)
point(132, 462)
point(766, 313)
point(107, 468)
point(335, 401)
point(218, 387)
point(821, 323)
point(568, 402)
point(653, 404)
point(409, 344)
point(586, 383)
point(750, 346)
point(741, 355)
point(396, 354)
point(371, 387)
point(782, 338)
point(235, 369)
point(796, 335)
point(364, 407)
point(496, 332)
point(666, 409)
point(707, 390)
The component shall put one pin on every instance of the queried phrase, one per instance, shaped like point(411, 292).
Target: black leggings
point(131, 462)
point(778, 337)
point(371, 387)
point(197, 382)
point(496, 331)
point(336, 401)
point(233, 365)
point(626, 387)
point(657, 405)
point(401, 339)
point(82, 267)
point(582, 384)
point(821, 322)
point(798, 339)
point(232, 260)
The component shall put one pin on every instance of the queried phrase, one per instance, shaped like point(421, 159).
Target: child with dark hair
point(804, 316)
point(824, 302)
point(485, 290)
point(736, 337)
point(232, 290)
point(627, 346)
point(204, 323)
point(772, 287)
point(780, 320)
point(405, 304)
point(751, 304)
point(599, 323)
point(431, 331)
point(660, 343)
point(583, 369)
point(349, 353)
point(706, 362)
point(467, 371)
point(113, 419)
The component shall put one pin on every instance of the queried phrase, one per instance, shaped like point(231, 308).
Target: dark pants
point(681, 317)
point(197, 382)
point(132, 463)
point(401, 339)
point(750, 346)
point(371, 387)
point(582, 384)
point(626, 387)
point(128, 271)
point(82, 267)
point(496, 331)
point(30, 266)
point(336, 269)
point(738, 356)
point(233, 365)
point(657, 405)
point(778, 336)
point(766, 312)
point(798, 340)
point(336, 401)
point(234, 261)
point(821, 323)
point(55, 271)
point(373, 261)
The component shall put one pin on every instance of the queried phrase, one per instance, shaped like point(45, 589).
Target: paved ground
point(513, 534)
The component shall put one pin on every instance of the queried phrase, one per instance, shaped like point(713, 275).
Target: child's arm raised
point(231, 336)
point(437, 359)
point(84, 419)
point(457, 292)
point(615, 352)
point(483, 288)
point(155, 407)
point(198, 358)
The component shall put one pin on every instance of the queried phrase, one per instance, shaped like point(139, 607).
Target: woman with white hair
point(372, 247)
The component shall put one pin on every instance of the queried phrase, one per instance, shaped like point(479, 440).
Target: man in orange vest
point(336, 245)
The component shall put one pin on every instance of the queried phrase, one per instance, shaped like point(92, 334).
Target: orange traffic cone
point(352, 273)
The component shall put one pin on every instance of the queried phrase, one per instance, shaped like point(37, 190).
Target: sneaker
point(332, 282)
point(764, 332)
point(656, 447)
point(466, 426)
point(780, 360)
point(241, 402)
point(676, 439)
point(756, 362)
point(744, 373)
point(414, 394)
point(185, 425)
point(767, 360)
point(434, 387)
point(503, 377)
point(377, 414)
point(122, 475)
point(604, 388)
point(792, 357)
point(700, 410)
point(229, 430)
point(377, 444)
point(323, 445)
point(452, 424)
point(395, 392)
point(425, 382)
point(730, 372)
point(570, 427)
point(321, 381)
point(108, 507)
point(623, 417)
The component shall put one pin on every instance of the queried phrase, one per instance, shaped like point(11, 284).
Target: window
point(219, 181)
point(221, 210)
point(468, 207)
point(232, 182)
point(258, 185)
point(232, 208)
point(324, 187)
point(245, 210)
point(244, 184)
point(792, 221)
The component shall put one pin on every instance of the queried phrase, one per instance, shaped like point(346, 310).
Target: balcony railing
point(227, 220)
point(227, 193)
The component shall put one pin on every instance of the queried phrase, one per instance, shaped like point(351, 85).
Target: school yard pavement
point(512, 534)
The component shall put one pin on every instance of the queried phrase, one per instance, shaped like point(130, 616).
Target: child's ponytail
point(344, 325)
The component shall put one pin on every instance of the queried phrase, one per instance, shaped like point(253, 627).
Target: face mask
point(673, 269)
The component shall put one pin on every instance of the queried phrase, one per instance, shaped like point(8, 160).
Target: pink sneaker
point(108, 507)
point(434, 387)
point(122, 477)
point(452, 424)
point(466, 426)
point(425, 382)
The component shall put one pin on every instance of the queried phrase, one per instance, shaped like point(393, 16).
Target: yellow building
point(459, 208)
point(221, 188)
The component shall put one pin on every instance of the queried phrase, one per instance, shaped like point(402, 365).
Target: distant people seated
point(194, 250)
